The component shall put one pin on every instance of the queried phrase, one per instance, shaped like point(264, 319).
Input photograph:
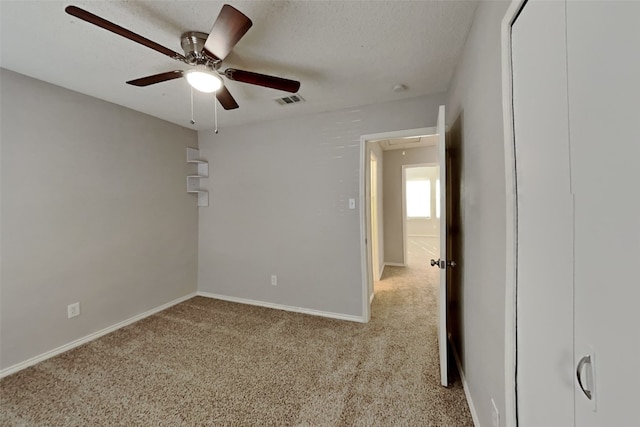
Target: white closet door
point(603, 44)
point(545, 216)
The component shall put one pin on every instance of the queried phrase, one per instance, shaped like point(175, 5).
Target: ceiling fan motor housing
point(192, 43)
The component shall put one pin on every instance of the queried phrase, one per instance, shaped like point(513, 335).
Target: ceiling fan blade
point(228, 29)
point(225, 99)
point(114, 28)
point(156, 78)
point(262, 80)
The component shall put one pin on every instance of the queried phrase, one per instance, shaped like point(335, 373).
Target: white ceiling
point(344, 53)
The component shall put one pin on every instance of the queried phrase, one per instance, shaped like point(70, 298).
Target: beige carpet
point(209, 362)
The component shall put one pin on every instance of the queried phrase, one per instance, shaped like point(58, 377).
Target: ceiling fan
point(204, 52)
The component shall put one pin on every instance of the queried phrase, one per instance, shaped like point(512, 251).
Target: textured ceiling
point(344, 53)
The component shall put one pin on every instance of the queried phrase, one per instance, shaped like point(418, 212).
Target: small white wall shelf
point(193, 181)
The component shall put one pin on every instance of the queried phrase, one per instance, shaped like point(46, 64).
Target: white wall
point(279, 196)
point(393, 162)
point(476, 94)
point(94, 209)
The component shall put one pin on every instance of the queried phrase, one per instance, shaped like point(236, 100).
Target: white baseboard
point(73, 344)
point(394, 264)
point(284, 307)
point(465, 386)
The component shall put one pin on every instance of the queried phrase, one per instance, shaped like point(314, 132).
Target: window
point(418, 198)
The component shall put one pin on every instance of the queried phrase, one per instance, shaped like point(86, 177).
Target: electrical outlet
point(73, 310)
point(274, 280)
point(495, 415)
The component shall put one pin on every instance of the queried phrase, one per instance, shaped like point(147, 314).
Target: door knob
point(439, 263)
point(442, 264)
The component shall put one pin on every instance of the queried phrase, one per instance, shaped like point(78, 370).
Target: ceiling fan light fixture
point(203, 81)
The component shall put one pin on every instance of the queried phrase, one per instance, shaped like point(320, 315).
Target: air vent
point(404, 141)
point(292, 99)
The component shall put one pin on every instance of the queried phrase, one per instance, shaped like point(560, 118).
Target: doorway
point(398, 148)
point(382, 229)
point(421, 212)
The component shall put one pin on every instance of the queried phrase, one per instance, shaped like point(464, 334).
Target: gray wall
point(393, 162)
point(476, 93)
point(280, 192)
point(94, 209)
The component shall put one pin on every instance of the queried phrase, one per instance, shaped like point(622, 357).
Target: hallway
point(421, 249)
point(407, 297)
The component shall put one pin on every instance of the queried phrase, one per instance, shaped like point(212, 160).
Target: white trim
point(422, 235)
point(368, 215)
point(80, 341)
point(364, 252)
point(371, 297)
point(403, 202)
point(406, 133)
point(395, 264)
point(302, 310)
point(510, 345)
point(465, 386)
point(373, 158)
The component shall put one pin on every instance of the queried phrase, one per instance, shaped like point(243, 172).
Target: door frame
point(511, 284)
point(365, 250)
point(374, 217)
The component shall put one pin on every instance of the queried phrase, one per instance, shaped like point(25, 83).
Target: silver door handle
point(585, 359)
point(442, 264)
point(439, 263)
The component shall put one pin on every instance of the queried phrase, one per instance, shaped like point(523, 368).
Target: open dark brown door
point(454, 155)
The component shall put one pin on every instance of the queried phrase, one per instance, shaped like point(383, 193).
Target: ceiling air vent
point(404, 141)
point(292, 99)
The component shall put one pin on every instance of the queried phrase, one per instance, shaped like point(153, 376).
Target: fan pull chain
point(193, 122)
point(215, 112)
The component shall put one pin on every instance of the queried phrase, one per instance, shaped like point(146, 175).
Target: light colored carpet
point(210, 362)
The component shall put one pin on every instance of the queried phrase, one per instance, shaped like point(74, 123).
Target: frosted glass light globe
point(203, 81)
